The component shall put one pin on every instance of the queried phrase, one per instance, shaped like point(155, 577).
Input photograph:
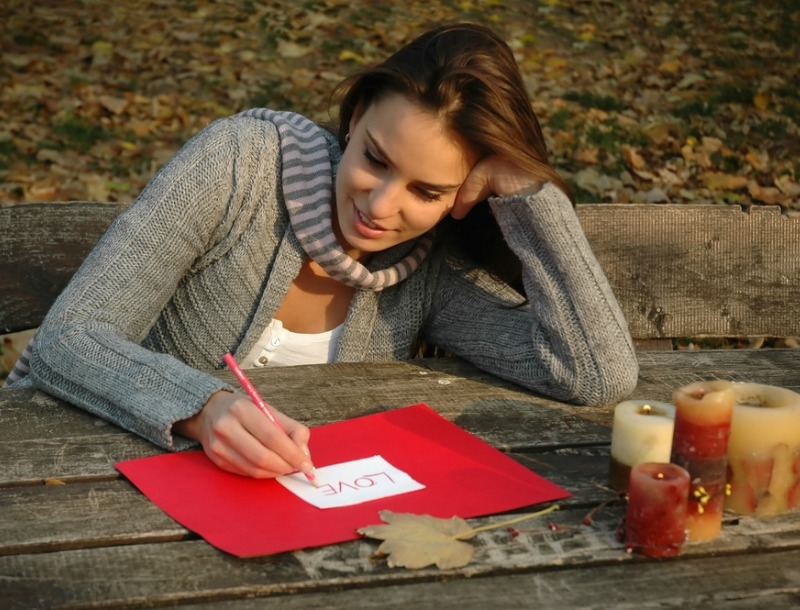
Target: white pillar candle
point(642, 432)
point(764, 450)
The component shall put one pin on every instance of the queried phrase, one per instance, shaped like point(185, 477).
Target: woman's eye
point(372, 159)
point(428, 196)
point(420, 193)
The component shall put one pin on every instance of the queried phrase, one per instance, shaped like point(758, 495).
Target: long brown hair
point(467, 75)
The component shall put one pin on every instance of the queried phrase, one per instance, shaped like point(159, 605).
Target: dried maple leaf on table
point(417, 541)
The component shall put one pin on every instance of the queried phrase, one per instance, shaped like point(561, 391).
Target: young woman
point(433, 217)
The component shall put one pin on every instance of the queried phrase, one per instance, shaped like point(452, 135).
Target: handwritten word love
point(363, 482)
point(345, 484)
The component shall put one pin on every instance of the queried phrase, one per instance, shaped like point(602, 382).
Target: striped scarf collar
point(308, 189)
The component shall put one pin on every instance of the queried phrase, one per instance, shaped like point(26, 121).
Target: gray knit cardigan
point(200, 263)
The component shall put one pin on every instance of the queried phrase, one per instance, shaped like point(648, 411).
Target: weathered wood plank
point(147, 575)
point(692, 270)
point(765, 581)
point(80, 515)
point(678, 270)
point(661, 372)
point(43, 244)
point(41, 437)
point(44, 438)
point(501, 413)
point(83, 515)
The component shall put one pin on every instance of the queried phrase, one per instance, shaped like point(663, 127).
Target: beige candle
point(764, 450)
point(642, 433)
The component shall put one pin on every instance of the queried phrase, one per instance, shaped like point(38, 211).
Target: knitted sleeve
point(570, 341)
point(88, 348)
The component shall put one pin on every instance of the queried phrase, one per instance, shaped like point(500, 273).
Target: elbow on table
point(589, 382)
point(605, 384)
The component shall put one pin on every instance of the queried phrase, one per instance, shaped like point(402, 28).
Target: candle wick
point(646, 410)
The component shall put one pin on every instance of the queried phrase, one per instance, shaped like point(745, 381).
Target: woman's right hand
point(239, 438)
point(492, 176)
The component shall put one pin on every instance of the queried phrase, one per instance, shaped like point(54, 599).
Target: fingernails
point(310, 473)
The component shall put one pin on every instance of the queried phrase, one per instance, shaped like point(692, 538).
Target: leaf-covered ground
point(671, 100)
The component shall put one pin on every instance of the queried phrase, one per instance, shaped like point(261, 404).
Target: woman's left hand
point(492, 176)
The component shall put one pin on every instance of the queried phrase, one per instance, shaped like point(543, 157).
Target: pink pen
point(258, 401)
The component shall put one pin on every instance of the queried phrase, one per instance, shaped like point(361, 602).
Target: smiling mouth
point(368, 222)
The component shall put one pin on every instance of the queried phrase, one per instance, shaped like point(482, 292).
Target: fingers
point(268, 445)
point(239, 438)
point(492, 176)
point(474, 189)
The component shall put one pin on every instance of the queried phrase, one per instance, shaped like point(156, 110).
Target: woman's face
point(398, 177)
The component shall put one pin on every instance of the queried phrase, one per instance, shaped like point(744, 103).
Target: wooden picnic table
point(75, 534)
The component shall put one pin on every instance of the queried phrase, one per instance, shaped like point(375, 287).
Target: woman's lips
point(366, 227)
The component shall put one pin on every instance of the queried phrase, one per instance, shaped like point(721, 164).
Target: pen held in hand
point(259, 402)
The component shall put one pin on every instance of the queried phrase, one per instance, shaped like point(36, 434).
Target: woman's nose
point(384, 199)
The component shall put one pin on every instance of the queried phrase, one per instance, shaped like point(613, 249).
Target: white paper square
point(351, 483)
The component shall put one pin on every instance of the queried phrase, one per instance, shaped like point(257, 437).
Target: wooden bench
point(677, 270)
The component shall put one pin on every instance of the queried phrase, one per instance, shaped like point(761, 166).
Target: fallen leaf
point(671, 65)
point(96, 189)
point(669, 177)
point(41, 191)
point(788, 186)
point(113, 104)
point(589, 155)
point(658, 132)
point(689, 80)
point(767, 194)
point(711, 145)
point(101, 52)
point(594, 182)
point(556, 64)
point(292, 50)
point(761, 100)
point(759, 159)
point(644, 174)
point(347, 54)
point(417, 541)
point(654, 195)
point(587, 32)
point(717, 181)
point(595, 115)
point(634, 159)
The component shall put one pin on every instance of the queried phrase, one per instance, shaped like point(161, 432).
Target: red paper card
point(247, 517)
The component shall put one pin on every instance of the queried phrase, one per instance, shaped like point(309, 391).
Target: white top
point(280, 347)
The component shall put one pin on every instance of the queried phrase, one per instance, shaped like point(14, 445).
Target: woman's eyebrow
point(442, 188)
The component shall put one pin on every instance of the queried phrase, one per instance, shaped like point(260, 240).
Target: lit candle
point(764, 450)
point(655, 520)
point(642, 432)
point(703, 412)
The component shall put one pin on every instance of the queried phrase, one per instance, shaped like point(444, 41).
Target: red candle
point(655, 521)
point(703, 412)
